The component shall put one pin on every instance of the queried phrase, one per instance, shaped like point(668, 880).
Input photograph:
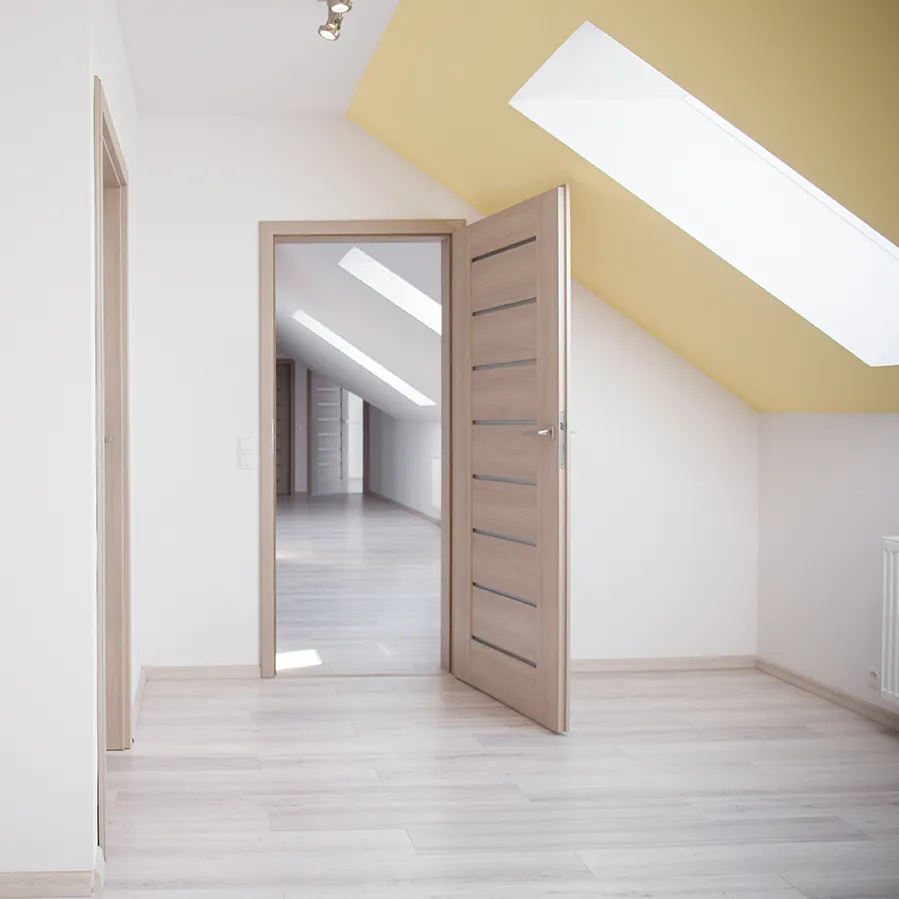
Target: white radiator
point(889, 669)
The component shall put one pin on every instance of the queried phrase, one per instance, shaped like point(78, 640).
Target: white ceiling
point(246, 57)
point(308, 277)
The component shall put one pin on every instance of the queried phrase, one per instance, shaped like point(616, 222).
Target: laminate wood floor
point(358, 587)
point(671, 786)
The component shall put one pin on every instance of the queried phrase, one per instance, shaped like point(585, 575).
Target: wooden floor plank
point(358, 585)
point(693, 785)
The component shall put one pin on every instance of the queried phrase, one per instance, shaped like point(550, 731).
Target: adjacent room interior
point(358, 457)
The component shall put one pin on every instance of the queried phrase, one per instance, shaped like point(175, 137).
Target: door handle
point(543, 432)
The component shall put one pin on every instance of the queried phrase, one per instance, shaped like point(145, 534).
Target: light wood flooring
point(358, 587)
point(671, 786)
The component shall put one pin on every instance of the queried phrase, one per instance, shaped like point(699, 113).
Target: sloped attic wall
point(815, 83)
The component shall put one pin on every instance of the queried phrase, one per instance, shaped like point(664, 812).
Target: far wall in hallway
point(404, 461)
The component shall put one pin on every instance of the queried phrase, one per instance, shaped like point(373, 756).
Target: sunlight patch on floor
point(298, 658)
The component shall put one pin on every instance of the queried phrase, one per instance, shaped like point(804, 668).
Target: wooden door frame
point(451, 232)
point(114, 725)
point(291, 367)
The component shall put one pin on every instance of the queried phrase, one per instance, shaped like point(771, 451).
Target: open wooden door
point(510, 347)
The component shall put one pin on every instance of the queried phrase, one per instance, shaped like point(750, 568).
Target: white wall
point(664, 508)
point(401, 454)
point(664, 512)
point(300, 420)
point(664, 493)
point(110, 64)
point(48, 55)
point(829, 492)
point(47, 569)
point(206, 184)
point(355, 448)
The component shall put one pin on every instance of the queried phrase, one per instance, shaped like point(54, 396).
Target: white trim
point(45, 884)
point(202, 672)
point(690, 663)
point(875, 713)
point(98, 881)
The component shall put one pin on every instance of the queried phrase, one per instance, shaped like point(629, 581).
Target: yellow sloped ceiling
point(816, 82)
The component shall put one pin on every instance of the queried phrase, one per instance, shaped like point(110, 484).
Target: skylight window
point(392, 287)
point(360, 358)
point(722, 188)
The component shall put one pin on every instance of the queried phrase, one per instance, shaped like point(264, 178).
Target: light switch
point(246, 454)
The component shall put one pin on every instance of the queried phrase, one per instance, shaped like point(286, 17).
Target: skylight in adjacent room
point(394, 288)
point(360, 358)
point(722, 188)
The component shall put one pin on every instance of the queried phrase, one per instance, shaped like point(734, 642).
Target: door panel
point(504, 566)
point(504, 335)
point(511, 681)
point(510, 341)
point(503, 451)
point(501, 507)
point(507, 623)
point(505, 278)
point(507, 393)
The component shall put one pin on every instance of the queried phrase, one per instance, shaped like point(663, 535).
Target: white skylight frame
point(721, 187)
point(360, 358)
point(394, 288)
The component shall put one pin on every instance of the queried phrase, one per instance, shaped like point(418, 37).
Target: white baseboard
point(693, 663)
point(98, 881)
point(433, 519)
point(868, 710)
point(202, 672)
point(45, 884)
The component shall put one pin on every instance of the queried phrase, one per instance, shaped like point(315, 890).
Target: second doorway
point(358, 457)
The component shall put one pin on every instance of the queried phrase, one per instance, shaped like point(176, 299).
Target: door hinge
point(563, 439)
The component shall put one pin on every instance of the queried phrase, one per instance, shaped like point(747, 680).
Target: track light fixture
point(337, 9)
point(330, 31)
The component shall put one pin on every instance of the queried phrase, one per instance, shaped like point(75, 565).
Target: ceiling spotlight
point(337, 9)
point(330, 32)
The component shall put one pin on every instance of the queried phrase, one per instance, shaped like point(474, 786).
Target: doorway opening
point(358, 456)
point(113, 475)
